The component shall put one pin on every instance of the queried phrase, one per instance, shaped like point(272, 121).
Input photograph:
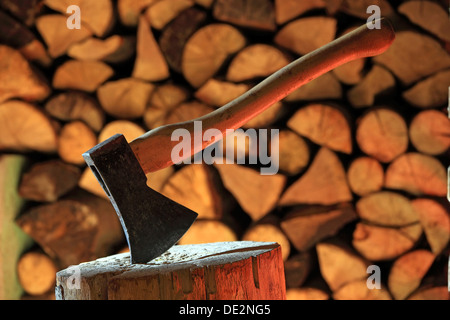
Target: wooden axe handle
point(153, 149)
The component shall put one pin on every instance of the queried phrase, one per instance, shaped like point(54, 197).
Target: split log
point(359, 8)
point(293, 36)
point(324, 183)
point(16, 35)
point(78, 228)
point(208, 231)
point(377, 243)
point(365, 175)
point(429, 15)
point(247, 185)
point(377, 80)
point(386, 208)
point(130, 10)
point(435, 221)
point(323, 124)
point(307, 226)
point(56, 35)
point(13, 240)
point(297, 268)
point(429, 93)
point(306, 294)
point(75, 138)
point(48, 181)
point(113, 49)
point(255, 14)
point(433, 293)
point(218, 93)
point(206, 51)
point(81, 75)
point(417, 174)
point(286, 10)
point(266, 118)
point(339, 264)
point(18, 79)
point(293, 152)
point(194, 187)
point(161, 13)
point(427, 56)
point(174, 36)
point(125, 98)
point(163, 100)
point(429, 132)
point(187, 111)
point(73, 105)
point(407, 272)
point(382, 134)
point(130, 130)
point(36, 272)
point(100, 24)
point(268, 229)
point(358, 290)
point(256, 61)
point(25, 127)
point(149, 64)
point(228, 270)
point(326, 86)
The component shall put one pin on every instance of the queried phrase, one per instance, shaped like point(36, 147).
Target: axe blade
point(152, 223)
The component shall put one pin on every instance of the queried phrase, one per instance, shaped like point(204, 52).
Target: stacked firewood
point(360, 195)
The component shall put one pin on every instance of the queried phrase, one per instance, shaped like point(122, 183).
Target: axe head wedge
point(152, 223)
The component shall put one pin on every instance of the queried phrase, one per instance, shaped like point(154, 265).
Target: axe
point(153, 223)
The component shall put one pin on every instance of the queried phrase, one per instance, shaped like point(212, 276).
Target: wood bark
point(75, 229)
point(48, 181)
point(74, 105)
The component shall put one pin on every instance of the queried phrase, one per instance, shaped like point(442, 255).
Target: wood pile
point(363, 149)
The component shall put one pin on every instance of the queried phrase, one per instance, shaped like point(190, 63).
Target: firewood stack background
point(363, 149)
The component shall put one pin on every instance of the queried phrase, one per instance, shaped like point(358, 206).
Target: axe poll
point(153, 223)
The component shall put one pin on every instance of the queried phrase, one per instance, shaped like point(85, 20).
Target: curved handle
point(153, 149)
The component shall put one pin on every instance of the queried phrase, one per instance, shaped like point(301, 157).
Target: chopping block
point(237, 270)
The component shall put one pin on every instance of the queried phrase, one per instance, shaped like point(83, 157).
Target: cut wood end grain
point(18, 79)
point(81, 75)
point(25, 127)
point(228, 270)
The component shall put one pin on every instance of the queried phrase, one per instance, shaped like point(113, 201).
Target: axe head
point(152, 223)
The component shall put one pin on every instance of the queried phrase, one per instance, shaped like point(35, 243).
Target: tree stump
point(213, 271)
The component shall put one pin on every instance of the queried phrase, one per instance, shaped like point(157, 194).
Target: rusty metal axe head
point(152, 223)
